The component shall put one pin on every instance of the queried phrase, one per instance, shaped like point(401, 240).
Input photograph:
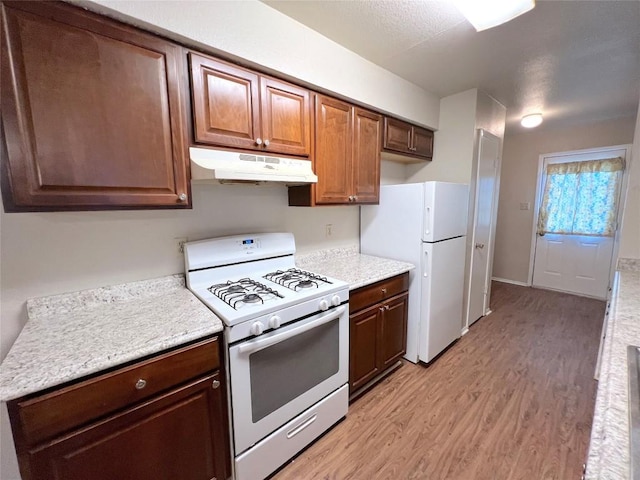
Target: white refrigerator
point(424, 224)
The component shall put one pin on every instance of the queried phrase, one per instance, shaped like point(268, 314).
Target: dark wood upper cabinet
point(235, 107)
point(403, 138)
point(366, 156)
point(334, 147)
point(346, 156)
point(93, 112)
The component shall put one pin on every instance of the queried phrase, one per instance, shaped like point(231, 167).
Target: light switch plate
point(525, 205)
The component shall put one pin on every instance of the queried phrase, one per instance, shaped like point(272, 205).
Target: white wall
point(630, 232)
point(519, 177)
point(453, 143)
point(255, 32)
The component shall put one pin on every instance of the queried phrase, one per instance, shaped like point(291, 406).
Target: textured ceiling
point(574, 60)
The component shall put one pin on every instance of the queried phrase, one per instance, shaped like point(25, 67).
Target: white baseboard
point(465, 330)
point(513, 282)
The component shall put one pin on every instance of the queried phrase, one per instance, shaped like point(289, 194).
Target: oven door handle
point(261, 344)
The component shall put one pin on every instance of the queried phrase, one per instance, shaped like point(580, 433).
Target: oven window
point(284, 371)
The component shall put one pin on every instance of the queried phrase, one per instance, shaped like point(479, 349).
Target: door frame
point(598, 153)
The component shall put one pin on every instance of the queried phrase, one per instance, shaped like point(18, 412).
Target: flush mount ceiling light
point(531, 121)
point(484, 14)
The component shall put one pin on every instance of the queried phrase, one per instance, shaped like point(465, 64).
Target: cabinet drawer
point(377, 292)
point(37, 419)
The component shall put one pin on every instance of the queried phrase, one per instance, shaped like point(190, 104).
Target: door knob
point(480, 245)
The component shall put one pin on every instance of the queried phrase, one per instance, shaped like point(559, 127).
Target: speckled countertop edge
point(608, 457)
point(70, 336)
point(352, 267)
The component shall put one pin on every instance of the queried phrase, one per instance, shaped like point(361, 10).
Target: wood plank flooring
point(512, 399)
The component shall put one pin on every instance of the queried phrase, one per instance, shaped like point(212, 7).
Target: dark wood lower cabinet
point(377, 331)
point(170, 437)
point(363, 352)
point(181, 432)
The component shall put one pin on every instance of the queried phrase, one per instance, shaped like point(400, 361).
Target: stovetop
point(240, 298)
point(242, 278)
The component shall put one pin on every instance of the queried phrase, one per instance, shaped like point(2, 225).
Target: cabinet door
point(422, 142)
point(285, 118)
point(92, 111)
point(363, 347)
point(333, 150)
point(397, 135)
point(226, 109)
point(181, 434)
point(392, 333)
point(366, 156)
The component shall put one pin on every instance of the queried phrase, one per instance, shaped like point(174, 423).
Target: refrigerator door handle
point(427, 223)
point(425, 270)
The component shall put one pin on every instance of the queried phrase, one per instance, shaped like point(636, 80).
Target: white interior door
point(486, 196)
point(577, 264)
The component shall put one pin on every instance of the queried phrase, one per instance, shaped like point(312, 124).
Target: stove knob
point(324, 305)
point(274, 322)
point(335, 300)
point(257, 328)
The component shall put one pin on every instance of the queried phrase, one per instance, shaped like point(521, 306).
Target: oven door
point(278, 375)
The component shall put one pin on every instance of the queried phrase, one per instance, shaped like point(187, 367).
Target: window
point(580, 198)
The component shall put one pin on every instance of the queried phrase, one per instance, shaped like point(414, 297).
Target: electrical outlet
point(181, 241)
point(328, 230)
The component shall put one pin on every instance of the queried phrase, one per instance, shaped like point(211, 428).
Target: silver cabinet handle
point(258, 141)
point(182, 197)
point(140, 384)
point(215, 383)
point(480, 245)
point(266, 143)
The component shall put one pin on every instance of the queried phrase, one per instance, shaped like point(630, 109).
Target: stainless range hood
point(210, 165)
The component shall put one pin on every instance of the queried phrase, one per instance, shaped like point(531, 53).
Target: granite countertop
point(608, 457)
point(73, 335)
point(349, 265)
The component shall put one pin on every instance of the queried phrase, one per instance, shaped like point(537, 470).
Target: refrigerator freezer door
point(442, 274)
point(445, 210)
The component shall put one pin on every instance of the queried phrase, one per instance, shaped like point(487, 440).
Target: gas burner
point(243, 291)
point(252, 298)
point(296, 279)
point(305, 284)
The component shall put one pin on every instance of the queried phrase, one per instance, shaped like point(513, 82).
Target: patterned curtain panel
point(580, 198)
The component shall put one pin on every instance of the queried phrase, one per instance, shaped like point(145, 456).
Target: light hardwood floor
point(512, 399)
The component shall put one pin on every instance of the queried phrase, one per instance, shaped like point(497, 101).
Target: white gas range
point(287, 335)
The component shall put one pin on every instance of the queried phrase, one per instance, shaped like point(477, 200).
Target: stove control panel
point(249, 243)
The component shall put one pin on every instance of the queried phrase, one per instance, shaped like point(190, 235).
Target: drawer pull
point(384, 291)
point(140, 384)
point(215, 384)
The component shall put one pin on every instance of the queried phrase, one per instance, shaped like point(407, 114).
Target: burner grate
point(296, 279)
point(243, 291)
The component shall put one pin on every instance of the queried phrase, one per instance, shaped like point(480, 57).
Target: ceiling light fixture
point(484, 14)
point(531, 121)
